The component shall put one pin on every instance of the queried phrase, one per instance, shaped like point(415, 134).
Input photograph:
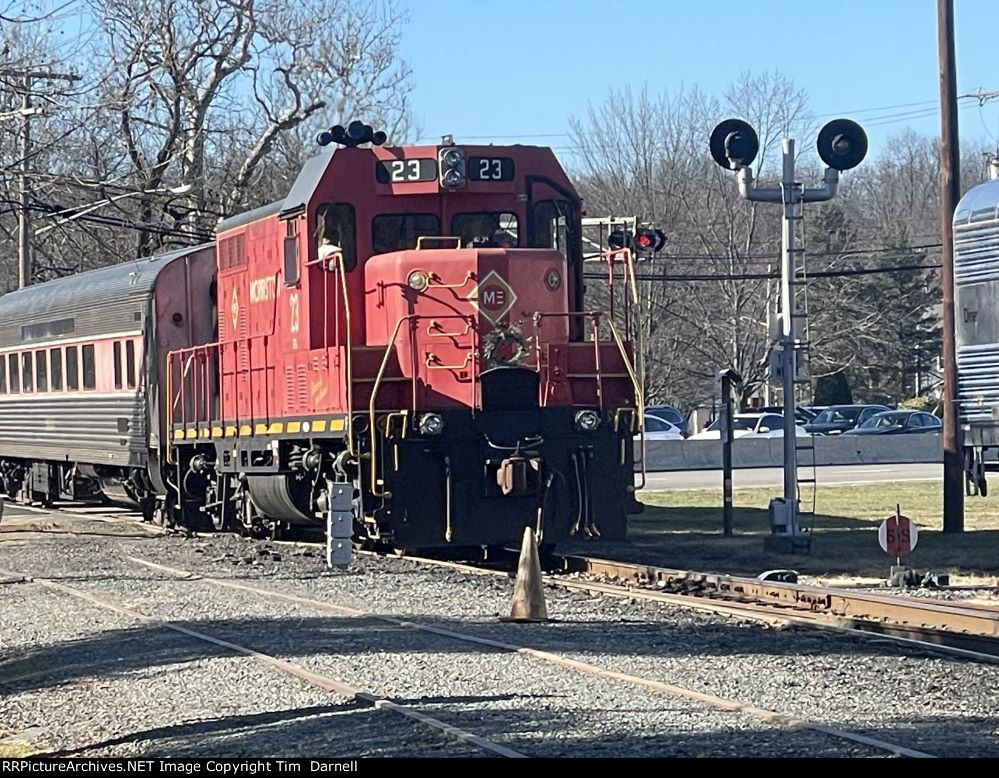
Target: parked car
point(802, 415)
point(840, 418)
point(670, 414)
point(657, 428)
point(898, 423)
point(750, 425)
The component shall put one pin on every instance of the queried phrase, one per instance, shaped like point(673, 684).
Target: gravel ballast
point(941, 706)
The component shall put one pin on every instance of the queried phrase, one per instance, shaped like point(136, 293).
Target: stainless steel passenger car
point(976, 312)
point(81, 395)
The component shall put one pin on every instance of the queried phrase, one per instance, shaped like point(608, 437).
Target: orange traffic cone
point(528, 597)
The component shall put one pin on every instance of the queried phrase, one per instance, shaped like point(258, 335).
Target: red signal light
point(649, 241)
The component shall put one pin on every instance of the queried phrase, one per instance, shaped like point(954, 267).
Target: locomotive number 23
point(404, 170)
point(490, 168)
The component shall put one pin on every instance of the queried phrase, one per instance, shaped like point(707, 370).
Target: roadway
point(830, 475)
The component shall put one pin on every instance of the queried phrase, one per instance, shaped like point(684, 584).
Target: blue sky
point(523, 67)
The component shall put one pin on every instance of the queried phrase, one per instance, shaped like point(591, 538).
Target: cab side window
point(550, 225)
point(336, 226)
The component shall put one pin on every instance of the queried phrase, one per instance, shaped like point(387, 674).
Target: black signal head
point(734, 144)
point(649, 241)
point(842, 144)
point(620, 239)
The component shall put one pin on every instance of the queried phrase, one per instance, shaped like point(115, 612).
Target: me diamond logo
point(234, 310)
point(494, 297)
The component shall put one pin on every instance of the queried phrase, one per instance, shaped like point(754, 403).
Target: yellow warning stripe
point(274, 428)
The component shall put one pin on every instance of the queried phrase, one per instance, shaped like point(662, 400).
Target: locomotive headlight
point(452, 157)
point(431, 424)
point(453, 179)
point(418, 280)
point(587, 421)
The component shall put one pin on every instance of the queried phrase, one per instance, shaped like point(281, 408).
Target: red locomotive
point(401, 350)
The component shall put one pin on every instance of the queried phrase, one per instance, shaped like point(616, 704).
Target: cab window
point(400, 231)
point(551, 221)
point(336, 225)
point(489, 228)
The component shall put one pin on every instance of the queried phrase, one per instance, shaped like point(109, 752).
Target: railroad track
point(324, 682)
point(547, 657)
point(969, 631)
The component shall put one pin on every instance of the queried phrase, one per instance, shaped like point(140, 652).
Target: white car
point(657, 428)
point(750, 425)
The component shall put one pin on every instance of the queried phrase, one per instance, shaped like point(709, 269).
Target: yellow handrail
point(375, 491)
point(639, 394)
point(421, 238)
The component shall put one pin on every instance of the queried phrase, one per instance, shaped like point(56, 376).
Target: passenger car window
point(15, 374)
point(72, 368)
point(27, 384)
point(400, 231)
point(89, 368)
point(116, 347)
point(130, 376)
point(3, 376)
point(41, 371)
point(55, 365)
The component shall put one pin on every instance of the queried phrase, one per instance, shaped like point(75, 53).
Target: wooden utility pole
point(950, 193)
point(25, 77)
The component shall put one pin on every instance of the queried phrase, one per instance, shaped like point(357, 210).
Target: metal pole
point(727, 438)
point(24, 214)
point(950, 193)
point(787, 272)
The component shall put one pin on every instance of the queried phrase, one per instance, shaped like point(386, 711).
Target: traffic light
point(621, 239)
point(649, 241)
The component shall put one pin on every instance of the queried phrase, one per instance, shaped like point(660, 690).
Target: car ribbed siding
point(104, 429)
point(82, 426)
point(976, 311)
point(100, 302)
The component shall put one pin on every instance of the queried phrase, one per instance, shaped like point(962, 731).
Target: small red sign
point(898, 535)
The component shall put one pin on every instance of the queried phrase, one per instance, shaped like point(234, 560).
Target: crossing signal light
point(649, 241)
point(842, 144)
point(734, 144)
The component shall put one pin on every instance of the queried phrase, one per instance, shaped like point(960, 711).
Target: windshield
point(885, 421)
point(665, 412)
point(838, 416)
point(486, 229)
point(738, 423)
point(655, 424)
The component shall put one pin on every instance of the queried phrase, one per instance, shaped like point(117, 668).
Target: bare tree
point(201, 90)
point(647, 156)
